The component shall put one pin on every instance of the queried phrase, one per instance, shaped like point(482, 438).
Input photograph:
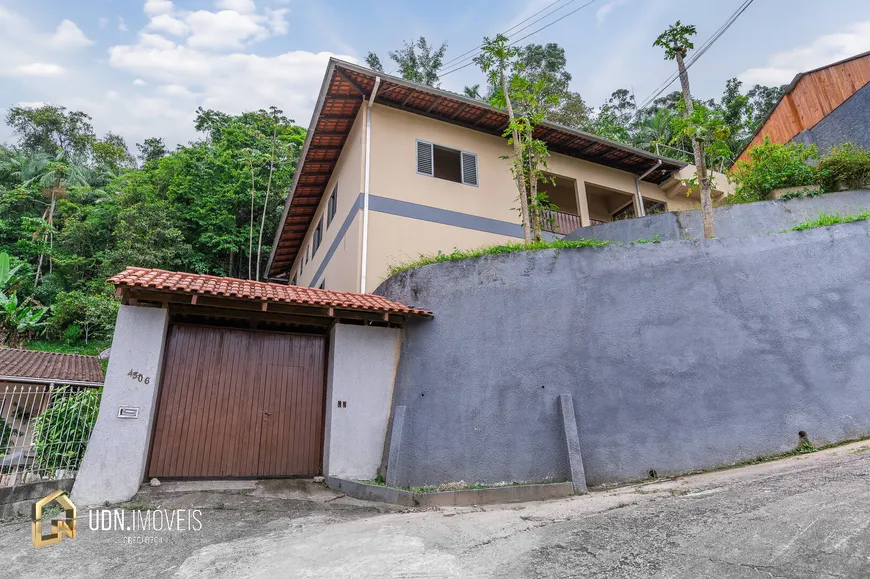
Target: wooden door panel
point(234, 403)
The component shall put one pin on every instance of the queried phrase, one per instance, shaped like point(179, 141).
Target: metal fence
point(44, 430)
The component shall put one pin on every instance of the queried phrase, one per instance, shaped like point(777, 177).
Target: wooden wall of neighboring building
point(814, 97)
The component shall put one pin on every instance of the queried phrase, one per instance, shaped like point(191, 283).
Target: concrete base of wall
point(466, 498)
point(18, 501)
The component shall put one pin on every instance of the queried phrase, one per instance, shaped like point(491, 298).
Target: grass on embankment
point(90, 349)
point(458, 254)
point(827, 219)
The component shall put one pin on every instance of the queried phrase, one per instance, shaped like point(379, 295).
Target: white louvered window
point(425, 158)
point(445, 163)
point(469, 168)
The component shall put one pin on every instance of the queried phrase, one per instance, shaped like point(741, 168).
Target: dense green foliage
point(61, 432)
point(773, 166)
point(76, 209)
point(846, 167)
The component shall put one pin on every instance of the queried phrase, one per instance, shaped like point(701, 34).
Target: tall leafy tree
point(676, 42)
point(48, 128)
point(417, 61)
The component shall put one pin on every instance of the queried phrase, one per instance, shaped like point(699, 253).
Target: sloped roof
point(227, 287)
point(819, 111)
point(346, 86)
point(33, 366)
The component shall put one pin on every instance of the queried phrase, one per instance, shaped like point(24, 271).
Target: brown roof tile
point(50, 366)
point(192, 283)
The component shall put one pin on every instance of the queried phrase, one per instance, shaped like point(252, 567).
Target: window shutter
point(469, 168)
point(425, 155)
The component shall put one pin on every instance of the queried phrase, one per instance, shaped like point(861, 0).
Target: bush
point(6, 433)
point(773, 166)
point(847, 167)
point(93, 314)
point(62, 431)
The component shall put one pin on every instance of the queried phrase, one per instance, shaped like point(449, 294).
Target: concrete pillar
point(359, 397)
point(572, 439)
point(114, 463)
point(583, 203)
point(393, 474)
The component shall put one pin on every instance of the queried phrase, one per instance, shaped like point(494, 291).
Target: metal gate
point(44, 429)
point(237, 403)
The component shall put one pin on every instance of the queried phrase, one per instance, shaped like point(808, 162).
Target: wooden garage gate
point(236, 403)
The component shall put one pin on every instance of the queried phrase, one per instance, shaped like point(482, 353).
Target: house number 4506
point(138, 376)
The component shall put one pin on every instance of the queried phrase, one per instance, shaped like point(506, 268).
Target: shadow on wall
point(679, 356)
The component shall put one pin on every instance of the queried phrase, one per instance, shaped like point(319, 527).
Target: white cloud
point(38, 69)
point(240, 6)
point(139, 82)
point(232, 27)
point(103, 23)
point(68, 35)
point(169, 24)
point(829, 48)
point(176, 90)
point(157, 7)
point(122, 24)
point(224, 29)
point(602, 13)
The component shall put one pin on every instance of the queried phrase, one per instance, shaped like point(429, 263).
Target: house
point(30, 382)
point(825, 107)
point(392, 169)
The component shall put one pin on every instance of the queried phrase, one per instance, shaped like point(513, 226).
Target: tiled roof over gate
point(49, 366)
point(227, 287)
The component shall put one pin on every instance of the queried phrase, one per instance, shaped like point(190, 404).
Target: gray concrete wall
point(679, 356)
point(747, 220)
point(114, 462)
point(362, 371)
point(848, 123)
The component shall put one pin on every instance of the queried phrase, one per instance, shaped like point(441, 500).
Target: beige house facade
point(403, 181)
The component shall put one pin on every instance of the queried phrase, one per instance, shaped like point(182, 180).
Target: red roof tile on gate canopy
point(192, 283)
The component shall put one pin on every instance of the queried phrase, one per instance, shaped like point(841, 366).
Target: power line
point(701, 51)
point(544, 9)
point(589, 3)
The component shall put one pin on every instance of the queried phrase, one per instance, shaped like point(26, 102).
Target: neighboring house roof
point(344, 88)
point(42, 367)
point(240, 289)
point(819, 92)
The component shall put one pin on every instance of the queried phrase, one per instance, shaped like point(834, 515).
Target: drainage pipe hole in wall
point(653, 474)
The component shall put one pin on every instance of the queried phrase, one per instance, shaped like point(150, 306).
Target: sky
point(140, 68)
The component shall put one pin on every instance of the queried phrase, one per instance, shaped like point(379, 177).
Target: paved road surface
point(807, 516)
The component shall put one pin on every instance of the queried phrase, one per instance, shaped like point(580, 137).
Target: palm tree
point(472, 92)
point(655, 129)
point(53, 174)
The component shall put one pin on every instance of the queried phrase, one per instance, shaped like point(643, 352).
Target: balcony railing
point(561, 222)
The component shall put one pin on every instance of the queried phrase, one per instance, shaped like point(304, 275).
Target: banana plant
point(18, 319)
point(7, 273)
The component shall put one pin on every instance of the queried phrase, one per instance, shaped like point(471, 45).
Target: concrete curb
point(18, 500)
point(495, 495)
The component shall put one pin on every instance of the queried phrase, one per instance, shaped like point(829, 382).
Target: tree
point(573, 113)
point(48, 128)
point(676, 42)
point(417, 61)
point(151, 149)
point(472, 92)
point(374, 62)
point(496, 60)
point(527, 97)
point(762, 99)
point(53, 174)
point(111, 156)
